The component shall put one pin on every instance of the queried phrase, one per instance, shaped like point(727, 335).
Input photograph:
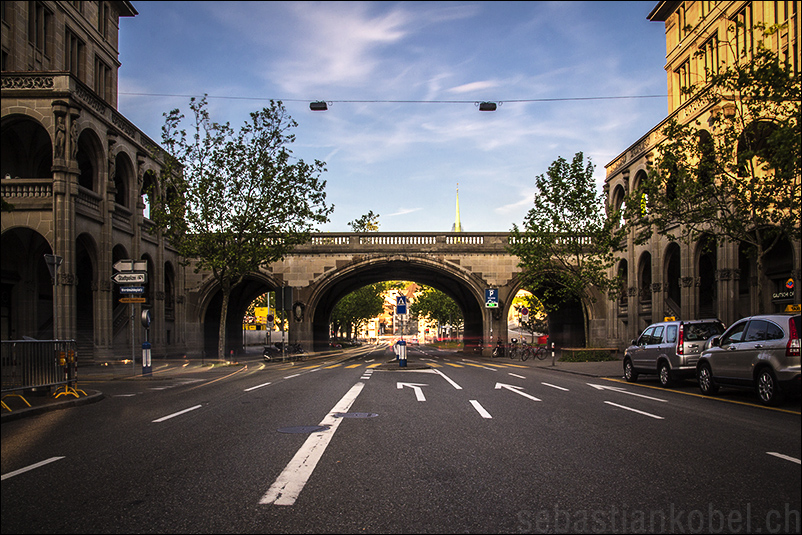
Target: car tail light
point(792, 349)
point(681, 340)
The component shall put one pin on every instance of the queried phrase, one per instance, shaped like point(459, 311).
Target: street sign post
point(401, 305)
point(130, 277)
point(131, 273)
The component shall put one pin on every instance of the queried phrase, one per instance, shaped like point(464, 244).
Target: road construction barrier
point(31, 365)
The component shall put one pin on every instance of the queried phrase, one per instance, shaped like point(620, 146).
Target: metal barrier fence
point(38, 364)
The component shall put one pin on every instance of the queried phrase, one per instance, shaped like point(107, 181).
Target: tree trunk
point(221, 339)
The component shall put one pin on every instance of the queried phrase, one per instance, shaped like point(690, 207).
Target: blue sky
point(403, 160)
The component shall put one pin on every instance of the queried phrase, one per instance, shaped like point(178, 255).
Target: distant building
point(666, 278)
point(76, 171)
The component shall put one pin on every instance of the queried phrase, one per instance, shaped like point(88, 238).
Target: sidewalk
point(42, 402)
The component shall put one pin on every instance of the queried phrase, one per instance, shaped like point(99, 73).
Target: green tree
point(367, 223)
point(737, 178)
point(434, 305)
point(234, 201)
point(565, 248)
point(357, 308)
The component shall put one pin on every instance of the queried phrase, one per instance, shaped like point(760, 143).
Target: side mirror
point(634, 342)
point(715, 341)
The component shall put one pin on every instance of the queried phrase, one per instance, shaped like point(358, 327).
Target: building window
point(74, 51)
point(103, 19)
point(682, 79)
point(682, 22)
point(40, 27)
point(742, 23)
point(709, 53)
point(102, 80)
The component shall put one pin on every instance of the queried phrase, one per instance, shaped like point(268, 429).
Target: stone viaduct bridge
point(330, 266)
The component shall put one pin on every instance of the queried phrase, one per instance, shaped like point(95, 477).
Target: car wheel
point(704, 376)
point(664, 373)
point(767, 388)
point(629, 371)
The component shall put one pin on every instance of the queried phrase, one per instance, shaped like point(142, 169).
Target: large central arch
point(463, 287)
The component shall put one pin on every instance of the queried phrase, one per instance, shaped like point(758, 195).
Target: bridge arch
point(464, 288)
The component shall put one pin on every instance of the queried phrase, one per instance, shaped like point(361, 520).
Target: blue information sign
point(491, 298)
point(400, 305)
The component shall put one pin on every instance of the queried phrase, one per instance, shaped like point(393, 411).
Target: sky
point(402, 81)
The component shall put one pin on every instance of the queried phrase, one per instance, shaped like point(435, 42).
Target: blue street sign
point(400, 305)
point(132, 289)
point(491, 298)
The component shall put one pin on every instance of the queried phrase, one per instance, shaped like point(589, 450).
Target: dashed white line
point(516, 375)
point(29, 468)
point(555, 386)
point(255, 387)
point(785, 457)
point(481, 410)
point(179, 413)
point(635, 410)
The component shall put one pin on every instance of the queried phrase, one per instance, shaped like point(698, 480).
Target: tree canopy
point(434, 305)
point(234, 201)
point(565, 248)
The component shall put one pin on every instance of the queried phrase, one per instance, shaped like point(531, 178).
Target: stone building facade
point(665, 278)
point(74, 171)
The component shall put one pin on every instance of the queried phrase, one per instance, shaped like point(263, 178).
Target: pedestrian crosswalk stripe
point(374, 365)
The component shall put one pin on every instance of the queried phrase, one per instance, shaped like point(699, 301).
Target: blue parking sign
point(491, 298)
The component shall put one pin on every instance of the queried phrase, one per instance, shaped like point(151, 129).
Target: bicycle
point(536, 352)
point(515, 349)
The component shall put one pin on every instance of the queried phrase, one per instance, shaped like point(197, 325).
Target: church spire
point(457, 224)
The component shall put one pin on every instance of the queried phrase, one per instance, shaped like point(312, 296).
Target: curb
point(92, 397)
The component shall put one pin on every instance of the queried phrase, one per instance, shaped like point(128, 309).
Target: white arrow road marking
point(416, 387)
point(786, 457)
point(622, 391)
point(291, 481)
point(481, 410)
point(635, 410)
point(555, 386)
point(28, 468)
point(516, 389)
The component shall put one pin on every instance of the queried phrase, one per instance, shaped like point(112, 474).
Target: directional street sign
point(132, 300)
point(132, 289)
point(131, 265)
point(133, 277)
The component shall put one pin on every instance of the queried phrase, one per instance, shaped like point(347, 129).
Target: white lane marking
point(635, 410)
point(622, 391)
point(255, 387)
point(555, 386)
point(416, 387)
point(481, 410)
point(294, 375)
point(447, 378)
point(516, 389)
point(786, 457)
point(124, 395)
point(289, 484)
point(29, 468)
point(516, 375)
point(179, 413)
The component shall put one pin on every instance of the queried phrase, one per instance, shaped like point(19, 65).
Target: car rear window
point(698, 332)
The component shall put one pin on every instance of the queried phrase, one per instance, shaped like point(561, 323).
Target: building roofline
point(663, 10)
point(126, 9)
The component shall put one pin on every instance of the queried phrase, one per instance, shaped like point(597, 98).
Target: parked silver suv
point(760, 352)
point(669, 349)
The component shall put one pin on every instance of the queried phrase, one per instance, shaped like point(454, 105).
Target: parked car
point(669, 349)
point(760, 352)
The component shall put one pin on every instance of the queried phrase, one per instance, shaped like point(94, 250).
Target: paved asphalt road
point(447, 445)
